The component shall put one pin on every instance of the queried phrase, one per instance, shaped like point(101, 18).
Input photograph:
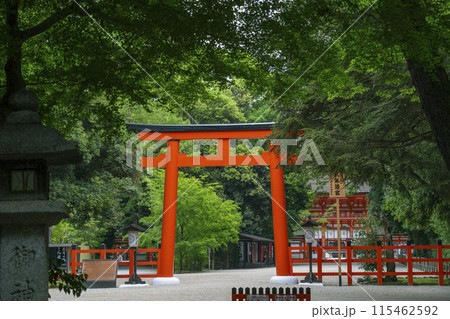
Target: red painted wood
point(319, 262)
point(440, 265)
point(349, 265)
point(379, 260)
point(169, 220)
point(207, 135)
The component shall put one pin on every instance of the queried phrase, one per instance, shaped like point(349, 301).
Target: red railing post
point(440, 263)
point(379, 264)
point(291, 269)
point(349, 263)
point(410, 263)
point(74, 262)
point(158, 261)
point(319, 260)
point(102, 252)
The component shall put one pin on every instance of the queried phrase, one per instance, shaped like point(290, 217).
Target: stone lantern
point(133, 241)
point(27, 149)
point(308, 227)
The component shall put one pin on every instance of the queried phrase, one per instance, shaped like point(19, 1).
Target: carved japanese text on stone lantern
point(27, 149)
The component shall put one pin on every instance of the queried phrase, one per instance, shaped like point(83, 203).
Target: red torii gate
point(172, 160)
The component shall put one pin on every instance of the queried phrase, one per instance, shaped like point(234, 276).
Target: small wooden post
point(337, 190)
point(339, 241)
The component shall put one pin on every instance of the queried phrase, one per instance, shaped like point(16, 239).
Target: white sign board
point(285, 298)
point(257, 298)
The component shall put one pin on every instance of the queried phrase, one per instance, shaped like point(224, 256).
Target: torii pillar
point(280, 231)
point(169, 220)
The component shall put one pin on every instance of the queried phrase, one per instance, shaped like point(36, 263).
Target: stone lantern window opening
point(23, 181)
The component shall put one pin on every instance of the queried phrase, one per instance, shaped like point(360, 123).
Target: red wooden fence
point(270, 294)
point(347, 270)
point(74, 263)
point(352, 251)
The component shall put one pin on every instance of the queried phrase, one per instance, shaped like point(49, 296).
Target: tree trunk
point(13, 66)
point(421, 47)
point(14, 40)
point(434, 93)
point(390, 266)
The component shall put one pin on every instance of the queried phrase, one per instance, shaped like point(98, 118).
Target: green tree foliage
point(150, 52)
point(299, 197)
point(255, 107)
point(368, 235)
point(249, 188)
point(100, 192)
point(204, 220)
point(219, 108)
point(63, 280)
point(379, 138)
point(334, 50)
point(422, 213)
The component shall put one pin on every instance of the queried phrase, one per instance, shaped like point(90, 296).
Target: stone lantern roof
point(309, 223)
point(23, 136)
point(134, 227)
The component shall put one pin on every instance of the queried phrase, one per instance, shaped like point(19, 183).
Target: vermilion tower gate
point(172, 160)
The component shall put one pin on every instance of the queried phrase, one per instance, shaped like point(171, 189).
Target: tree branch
point(49, 22)
point(405, 142)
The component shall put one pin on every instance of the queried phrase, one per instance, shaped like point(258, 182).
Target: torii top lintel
point(223, 133)
point(202, 131)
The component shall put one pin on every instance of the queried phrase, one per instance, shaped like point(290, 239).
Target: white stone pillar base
point(134, 286)
point(284, 280)
point(161, 281)
point(311, 284)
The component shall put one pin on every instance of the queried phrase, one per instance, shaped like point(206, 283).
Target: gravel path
point(216, 286)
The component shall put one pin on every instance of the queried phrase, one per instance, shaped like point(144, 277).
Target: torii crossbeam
point(225, 134)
